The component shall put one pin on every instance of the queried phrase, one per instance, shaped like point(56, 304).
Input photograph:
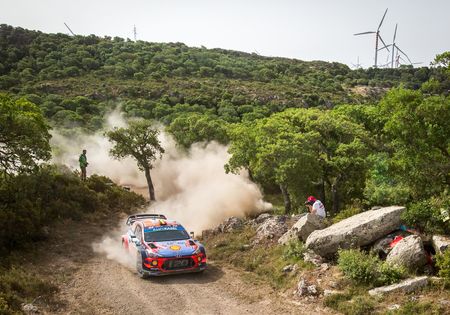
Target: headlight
point(151, 254)
point(197, 251)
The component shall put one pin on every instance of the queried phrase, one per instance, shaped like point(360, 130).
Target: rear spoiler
point(137, 217)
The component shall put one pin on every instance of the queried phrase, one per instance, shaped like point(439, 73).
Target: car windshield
point(168, 235)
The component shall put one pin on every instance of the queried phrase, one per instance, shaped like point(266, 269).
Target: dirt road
point(92, 284)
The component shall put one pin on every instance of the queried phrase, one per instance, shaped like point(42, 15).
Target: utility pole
point(135, 33)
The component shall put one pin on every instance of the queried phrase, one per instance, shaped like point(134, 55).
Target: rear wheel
point(139, 268)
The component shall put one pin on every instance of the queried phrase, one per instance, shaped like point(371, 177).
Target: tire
point(139, 269)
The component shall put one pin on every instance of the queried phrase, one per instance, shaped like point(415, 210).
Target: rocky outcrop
point(302, 228)
point(409, 253)
point(359, 230)
point(407, 286)
point(440, 243)
point(271, 229)
point(305, 288)
point(231, 224)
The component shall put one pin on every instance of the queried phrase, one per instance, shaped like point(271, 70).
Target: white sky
point(302, 29)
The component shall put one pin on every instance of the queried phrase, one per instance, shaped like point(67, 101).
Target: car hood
point(174, 248)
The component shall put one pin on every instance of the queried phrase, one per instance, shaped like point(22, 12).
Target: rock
point(271, 229)
point(329, 292)
point(393, 307)
point(440, 243)
point(262, 217)
point(408, 252)
point(407, 286)
point(358, 230)
point(231, 224)
point(30, 309)
point(324, 267)
point(288, 268)
point(302, 228)
point(306, 289)
point(313, 258)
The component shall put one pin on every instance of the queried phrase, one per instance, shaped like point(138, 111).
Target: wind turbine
point(377, 37)
point(396, 56)
point(357, 65)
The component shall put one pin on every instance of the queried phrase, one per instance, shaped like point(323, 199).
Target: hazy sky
point(302, 29)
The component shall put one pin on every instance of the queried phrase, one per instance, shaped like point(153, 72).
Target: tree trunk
point(335, 195)
point(287, 199)
point(321, 189)
point(151, 189)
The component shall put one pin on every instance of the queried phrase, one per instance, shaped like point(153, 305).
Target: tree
point(139, 141)
point(418, 129)
point(24, 135)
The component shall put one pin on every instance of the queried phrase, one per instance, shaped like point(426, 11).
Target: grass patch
point(18, 286)
point(265, 262)
point(419, 308)
point(350, 303)
point(346, 213)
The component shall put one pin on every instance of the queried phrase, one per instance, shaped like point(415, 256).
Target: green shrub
point(18, 286)
point(430, 215)
point(346, 213)
point(294, 250)
point(367, 268)
point(443, 263)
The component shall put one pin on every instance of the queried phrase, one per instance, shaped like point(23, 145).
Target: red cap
point(311, 199)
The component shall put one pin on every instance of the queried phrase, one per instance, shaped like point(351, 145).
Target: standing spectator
point(83, 164)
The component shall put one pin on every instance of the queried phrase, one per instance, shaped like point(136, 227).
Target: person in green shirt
point(83, 165)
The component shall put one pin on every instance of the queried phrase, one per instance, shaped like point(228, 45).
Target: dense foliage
point(29, 203)
point(367, 268)
point(75, 79)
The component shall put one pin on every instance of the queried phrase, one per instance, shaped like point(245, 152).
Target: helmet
point(310, 200)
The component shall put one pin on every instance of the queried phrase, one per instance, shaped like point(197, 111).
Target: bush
point(430, 215)
point(367, 268)
point(29, 202)
point(346, 213)
point(294, 250)
point(443, 263)
point(18, 286)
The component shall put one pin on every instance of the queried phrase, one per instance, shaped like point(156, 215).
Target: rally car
point(161, 246)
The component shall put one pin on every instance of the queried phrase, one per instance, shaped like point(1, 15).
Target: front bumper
point(162, 266)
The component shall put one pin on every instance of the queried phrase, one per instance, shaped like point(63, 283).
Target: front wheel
point(139, 268)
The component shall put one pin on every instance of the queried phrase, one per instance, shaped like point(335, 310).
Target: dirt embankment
point(90, 283)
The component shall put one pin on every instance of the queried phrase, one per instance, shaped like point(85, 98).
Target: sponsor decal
point(175, 247)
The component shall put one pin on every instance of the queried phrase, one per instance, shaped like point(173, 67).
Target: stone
point(271, 229)
point(393, 307)
point(30, 309)
point(356, 231)
point(409, 253)
point(262, 217)
point(440, 243)
point(288, 268)
point(306, 289)
point(329, 292)
point(231, 224)
point(313, 258)
point(303, 228)
point(407, 286)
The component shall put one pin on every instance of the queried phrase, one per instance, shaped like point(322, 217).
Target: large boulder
point(231, 224)
point(359, 230)
point(407, 286)
point(303, 228)
point(409, 253)
point(440, 243)
point(271, 229)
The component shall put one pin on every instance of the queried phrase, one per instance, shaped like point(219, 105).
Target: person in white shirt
point(316, 207)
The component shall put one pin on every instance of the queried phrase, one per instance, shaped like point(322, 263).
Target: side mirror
point(192, 235)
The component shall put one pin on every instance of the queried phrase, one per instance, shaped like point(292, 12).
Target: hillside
point(75, 79)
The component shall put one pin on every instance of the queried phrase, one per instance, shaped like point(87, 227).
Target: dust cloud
point(191, 186)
